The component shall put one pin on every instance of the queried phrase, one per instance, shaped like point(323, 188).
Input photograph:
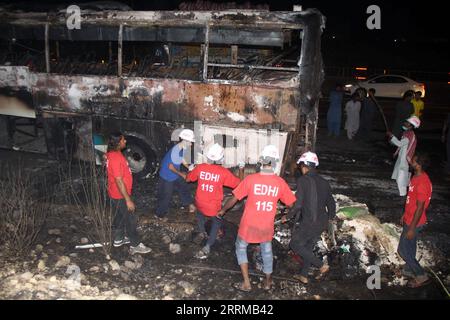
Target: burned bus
point(242, 75)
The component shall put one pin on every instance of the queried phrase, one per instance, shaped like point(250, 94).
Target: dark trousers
point(407, 249)
point(11, 128)
point(365, 129)
point(302, 243)
point(125, 223)
point(334, 127)
point(215, 226)
point(165, 192)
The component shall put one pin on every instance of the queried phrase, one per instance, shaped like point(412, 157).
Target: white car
point(387, 86)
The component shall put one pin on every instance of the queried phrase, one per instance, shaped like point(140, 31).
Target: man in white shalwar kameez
point(405, 152)
point(352, 108)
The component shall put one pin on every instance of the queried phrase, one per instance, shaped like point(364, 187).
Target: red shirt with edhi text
point(211, 180)
point(263, 192)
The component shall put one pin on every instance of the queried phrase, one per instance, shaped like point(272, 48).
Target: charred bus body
point(245, 75)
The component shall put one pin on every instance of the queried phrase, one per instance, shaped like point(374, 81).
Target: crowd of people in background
point(414, 187)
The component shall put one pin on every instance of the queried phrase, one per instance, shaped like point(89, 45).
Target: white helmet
point(414, 121)
point(271, 152)
point(187, 134)
point(308, 158)
point(175, 136)
point(215, 152)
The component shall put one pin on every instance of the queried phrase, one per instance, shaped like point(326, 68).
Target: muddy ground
point(356, 169)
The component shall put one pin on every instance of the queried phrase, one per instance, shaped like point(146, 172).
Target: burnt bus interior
point(263, 59)
point(243, 48)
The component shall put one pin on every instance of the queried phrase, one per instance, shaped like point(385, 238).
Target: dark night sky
point(402, 18)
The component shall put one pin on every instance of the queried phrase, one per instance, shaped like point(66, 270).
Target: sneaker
point(203, 253)
point(140, 248)
point(118, 243)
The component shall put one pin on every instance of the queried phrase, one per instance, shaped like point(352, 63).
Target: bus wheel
point(141, 158)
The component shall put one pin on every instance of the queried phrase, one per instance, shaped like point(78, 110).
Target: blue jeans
point(407, 250)
point(165, 192)
point(216, 223)
point(266, 253)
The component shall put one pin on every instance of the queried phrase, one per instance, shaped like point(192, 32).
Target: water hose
point(381, 111)
point(436, 276)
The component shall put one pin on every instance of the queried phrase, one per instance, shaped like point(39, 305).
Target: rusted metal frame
point(294, 137)
point(287, 19)
point(119, 51)
point(314, 129)
point(234, 54)
point(261, 83)
point(287, 155)
point(47, 113)
point(165, 24)
point(47, 49)
point(274, 60)
point(244, 66)
point(205, 53)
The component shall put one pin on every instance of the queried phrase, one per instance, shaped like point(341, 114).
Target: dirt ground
point(355, 169)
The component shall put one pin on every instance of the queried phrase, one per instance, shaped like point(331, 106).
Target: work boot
point(140, 248)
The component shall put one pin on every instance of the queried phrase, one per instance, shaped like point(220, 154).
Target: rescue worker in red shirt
point(211, 177)
point(120, 183)
point(263, 190)
point(414, 219)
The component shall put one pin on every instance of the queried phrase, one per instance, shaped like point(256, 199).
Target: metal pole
point(234, 54)
point(205, 54)
point(47, 50)
point(119, 51)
